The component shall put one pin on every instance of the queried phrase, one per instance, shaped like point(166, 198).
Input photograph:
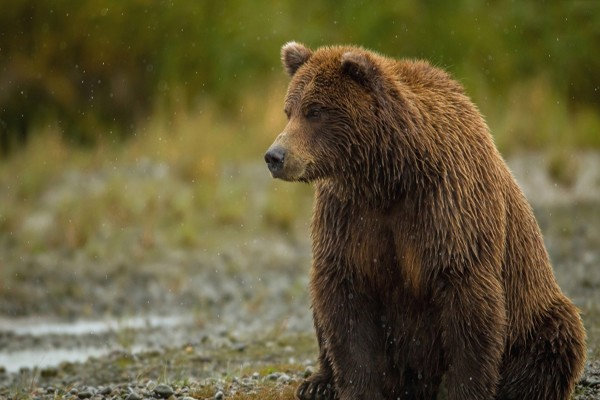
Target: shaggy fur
point(427, 260)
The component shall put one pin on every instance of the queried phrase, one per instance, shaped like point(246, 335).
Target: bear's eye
point(287, 113)
point(313, 113)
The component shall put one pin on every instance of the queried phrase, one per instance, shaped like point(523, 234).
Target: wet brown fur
point(427, 260)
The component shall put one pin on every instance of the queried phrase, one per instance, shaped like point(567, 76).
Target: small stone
point(284, 378)
point(163, 391)
point(308, 371)
point(133, 396)
point(274, 376)
point(85, 394)
point(219, 395)
point(105, 390)
point(50, 389)
point(255, 375)
point(48, 372)
point(73, 391)
point(590, 381)
point(239, 347)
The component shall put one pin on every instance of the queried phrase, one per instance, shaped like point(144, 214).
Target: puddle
point(14, 361)
point(41, 326)
point(70, 350)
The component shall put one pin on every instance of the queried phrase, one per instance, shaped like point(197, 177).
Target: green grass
point(206, 185)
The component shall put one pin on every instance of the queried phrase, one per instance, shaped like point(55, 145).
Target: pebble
point(239, 347)
point(163, 391)
point(255, 375)
point(590, 381)
point(48, 372)
point(219, 395)
point(308, 371)
point(85, 394)
point(133, 396)
point(284, 378)
point(274, 376)
point(105, 390)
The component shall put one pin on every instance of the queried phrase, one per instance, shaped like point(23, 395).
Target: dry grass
point(60, 196)
point(205, 155)
point(534, 116)
point(268, 393)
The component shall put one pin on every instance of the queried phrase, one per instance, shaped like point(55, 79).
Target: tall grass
point(185, 174)
point(182, 177)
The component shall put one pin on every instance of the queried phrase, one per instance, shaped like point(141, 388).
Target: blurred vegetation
point(102, 100)
point(97, 69)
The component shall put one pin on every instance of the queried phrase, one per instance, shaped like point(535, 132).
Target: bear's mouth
point(290, 175)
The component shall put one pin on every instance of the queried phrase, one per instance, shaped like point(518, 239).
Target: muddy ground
point(231, 320)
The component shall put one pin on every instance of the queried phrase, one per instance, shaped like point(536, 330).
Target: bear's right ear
point(360, 68)
point(293, 55)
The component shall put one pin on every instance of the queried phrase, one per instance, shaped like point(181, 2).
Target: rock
point(590, 381)
point(85, 394)
point(133, 396)
point(163, 391)
point(48, 372)
point(239, 347)
point(255, 375)
point(274, 376)
point(188, 398)
point(284, 378)
point(105, 390)
point(308, 371)
point(219, 395)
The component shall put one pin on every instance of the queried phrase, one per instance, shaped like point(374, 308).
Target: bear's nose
point(274, 158)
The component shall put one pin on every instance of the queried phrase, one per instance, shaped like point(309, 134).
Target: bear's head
point(337, 115)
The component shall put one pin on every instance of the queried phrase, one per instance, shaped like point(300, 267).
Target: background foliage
point(96, 70)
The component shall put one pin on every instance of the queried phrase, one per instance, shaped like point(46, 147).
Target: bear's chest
point(371, 245)
point(360, 241)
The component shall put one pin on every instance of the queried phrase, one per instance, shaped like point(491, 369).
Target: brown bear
point(428, 263)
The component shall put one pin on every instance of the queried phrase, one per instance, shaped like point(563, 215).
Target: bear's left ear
point(360, 68)
point(293, 55)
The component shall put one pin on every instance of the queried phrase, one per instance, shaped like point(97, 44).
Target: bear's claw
point(315, 388)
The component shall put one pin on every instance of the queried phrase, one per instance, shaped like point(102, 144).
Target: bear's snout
point(274, 158)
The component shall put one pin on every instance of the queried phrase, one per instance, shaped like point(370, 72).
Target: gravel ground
point(233, 322)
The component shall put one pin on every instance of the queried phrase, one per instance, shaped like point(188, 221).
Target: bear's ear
point(359, 67)
point(293, 55)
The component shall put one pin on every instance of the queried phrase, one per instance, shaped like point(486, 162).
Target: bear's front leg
point(473, 334)
point(318, 386)
point(354, 341)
